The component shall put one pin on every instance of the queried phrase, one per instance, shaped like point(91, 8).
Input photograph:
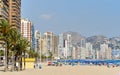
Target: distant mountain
point(114, 42)
point(97, 38)
point(76, 37)
point(94, 40)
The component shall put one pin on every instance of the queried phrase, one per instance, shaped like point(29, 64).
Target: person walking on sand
point(17, 66)
point(34, 65)
point(40, 66)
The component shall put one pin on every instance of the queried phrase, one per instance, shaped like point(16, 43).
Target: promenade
point(67, 70)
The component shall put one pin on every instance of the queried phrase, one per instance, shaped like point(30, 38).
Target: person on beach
point(34, 65)
point(40, 66)
point(17, 66)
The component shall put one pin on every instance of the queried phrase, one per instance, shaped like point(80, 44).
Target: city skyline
point(86, 17)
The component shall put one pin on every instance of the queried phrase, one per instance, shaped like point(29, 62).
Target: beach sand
point(67, 70)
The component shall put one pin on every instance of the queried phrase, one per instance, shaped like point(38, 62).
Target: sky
point(87, 17)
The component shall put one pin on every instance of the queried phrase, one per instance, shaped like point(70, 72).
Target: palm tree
point(49, 55)
point(12, 40)
point(31, 53)
point(1, 53)
point(22, 47)
point(4, 30)
point(18, 45)
point(36, 56)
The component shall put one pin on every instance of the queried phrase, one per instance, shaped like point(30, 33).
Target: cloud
point(46, 16)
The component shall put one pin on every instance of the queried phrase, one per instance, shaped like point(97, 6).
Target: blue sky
point(88, 17)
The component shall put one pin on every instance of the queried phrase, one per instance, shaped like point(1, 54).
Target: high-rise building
point(89, 51)
point(82, 53)
point(49, 41)
point(33, 37)
point(4, 9)
point(43, 46)
point(60, 46)
point(15, 13)
point(115, 54)
point(49, 44)
point(55, 45)
point(69, 45)
point(75, 53)
point(10, 10)
point(26, 29)
point(103, 51)
point(38, 42)
point(65, 49)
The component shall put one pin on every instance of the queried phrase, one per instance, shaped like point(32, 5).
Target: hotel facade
point(4, 10)
point(15, 13)
point(27, 30)
point(10, 10)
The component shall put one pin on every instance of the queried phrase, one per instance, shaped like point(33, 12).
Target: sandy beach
point(67, 70)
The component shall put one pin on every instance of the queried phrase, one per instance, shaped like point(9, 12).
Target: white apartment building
point(37, 41)
point(26, 29)
point(105, 52)
point(60, 46)
point(89, 51)
point(48, 37)
point(69, 45)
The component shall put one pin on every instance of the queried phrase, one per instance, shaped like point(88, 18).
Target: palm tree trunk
point(5, 57)
point(13, 62)
point(21, 61)
point(24, 61)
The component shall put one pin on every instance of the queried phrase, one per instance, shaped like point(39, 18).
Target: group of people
point(37, 66)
